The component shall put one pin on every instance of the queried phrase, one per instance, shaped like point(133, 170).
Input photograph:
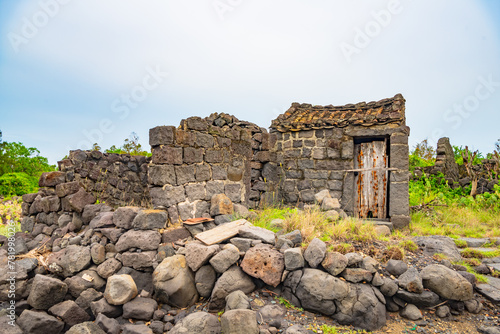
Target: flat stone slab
point(483, 249)
point(495, 266)
point(475, 242)
point(489, 292)
point(494, 282)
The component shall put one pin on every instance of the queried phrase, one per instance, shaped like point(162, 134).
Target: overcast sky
point(77, 72)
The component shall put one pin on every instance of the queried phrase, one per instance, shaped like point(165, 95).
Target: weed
point(460, 243)
point(268, 214)
point(329, 329)
point(469, 253)
point(439, 257)
point(287, 304)
point(342, 248)
point(473, 262)
point(408, 245)
point(480, 278)
point(393, 253)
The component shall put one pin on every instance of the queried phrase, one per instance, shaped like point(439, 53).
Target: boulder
point(150, 220)
point(446, 283)
point(46, 292)
point(138, 260)
point(293, 259)
point(136, 329)
point(88, 296)
point(98, 253)
point(257, 233)
point(120, 289)
point(318, 291)
point(263, 262)
point(51, 179)
point(92, 210)
point(124, 216)
point(101, 220)
point(86, 328)
point(295, 237)
point(396, 267)
point(68, 188)
point(145, 240)
point(205, 280)
point(39, 322)
point(389, 287)
point(237, 300)
point(174, 282)
point(69, 312)
point(425, 299)
point(198, 322)
point(101, 306)
point(334, 263)
point(223, 260)
point(69, 260)
point(330, 204)
point(232, 280)
point(439, 244)
point(109, 267)
point(411, 312)
point(197, 254)
point(320, 196)
point(410, 281)
point(239, 321)
point(362, 307)
point(140, 309)
point(272, 315)
point(221, 205)
point(79, 200)
point(357, 275)
point(315, 252)
point(109, 325)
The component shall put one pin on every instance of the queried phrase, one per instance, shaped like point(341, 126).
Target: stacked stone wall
point(205, 157)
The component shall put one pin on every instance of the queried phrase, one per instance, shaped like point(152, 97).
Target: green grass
point(287, 304)
point(266, 215)
point(480, 278)
point(408, 245)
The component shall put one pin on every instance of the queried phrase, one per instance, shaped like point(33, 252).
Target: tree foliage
point(130, 146)
point(20, 168)
point(422, 155)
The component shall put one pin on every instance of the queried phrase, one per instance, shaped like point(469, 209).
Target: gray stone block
point(306, 134)
point(162, 174)
point(307, 195)
point(316, 174)
point(161, 135)
point(399, 176)
point(399, 157)
point(319, 153)
point(167, 155)
point(184, 174)
point(167, 196)
point(399, 199)
point(195, 191)
point(186, 210)
point(293, 174)
point(193, 155)
point(348, 149)
point(335, 185)
point(400, 222)
point(202, 173)
point(348, 193)
point(214, 188)
point(233, 191)
point(205, 140)
point(213, 155)
point(219, 172)
point(399, 138)
point(305, 164)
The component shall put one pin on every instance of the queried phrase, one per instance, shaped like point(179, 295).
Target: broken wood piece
point(196, 221)
point(222, 232)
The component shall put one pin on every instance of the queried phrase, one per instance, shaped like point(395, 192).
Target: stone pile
point(129, 265)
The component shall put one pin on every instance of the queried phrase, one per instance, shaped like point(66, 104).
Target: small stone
point(237, 300)
point(411, 312)
point(120, 289)
point(396, 267)
point(315, 252)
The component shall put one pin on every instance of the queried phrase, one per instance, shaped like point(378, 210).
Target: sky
point(76, 72)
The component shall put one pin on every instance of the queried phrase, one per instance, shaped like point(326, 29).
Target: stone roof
point(306, 116)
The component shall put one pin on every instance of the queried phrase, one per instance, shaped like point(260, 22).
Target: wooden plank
point(371, 169)
point(222, 232)
point(196, 221)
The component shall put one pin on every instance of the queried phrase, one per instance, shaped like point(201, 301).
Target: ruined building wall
point(204, 157)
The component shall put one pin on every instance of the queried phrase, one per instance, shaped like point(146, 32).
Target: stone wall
point(313, 160)
point(204, 157)
point(117, 179)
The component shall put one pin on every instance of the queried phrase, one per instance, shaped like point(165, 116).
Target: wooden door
point(371, 165)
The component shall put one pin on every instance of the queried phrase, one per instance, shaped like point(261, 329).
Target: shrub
point(17, 184)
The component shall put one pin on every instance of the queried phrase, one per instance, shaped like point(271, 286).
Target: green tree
point(130, 146)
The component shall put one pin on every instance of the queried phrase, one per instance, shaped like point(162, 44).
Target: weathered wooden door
point(371, 165)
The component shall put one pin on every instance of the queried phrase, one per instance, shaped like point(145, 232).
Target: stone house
point(357, 151)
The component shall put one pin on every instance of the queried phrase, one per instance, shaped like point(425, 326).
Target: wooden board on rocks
point(222, 232)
